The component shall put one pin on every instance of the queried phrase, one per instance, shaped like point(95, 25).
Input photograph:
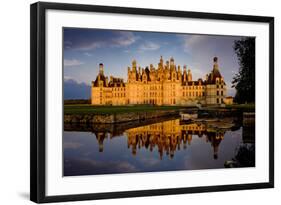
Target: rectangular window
point(218, 101)
point(221, 93)
point(218, 93)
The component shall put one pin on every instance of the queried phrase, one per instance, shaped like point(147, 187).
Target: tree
point(244, 80)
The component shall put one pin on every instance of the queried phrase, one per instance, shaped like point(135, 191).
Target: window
point(218, 93)
point(218, 101)
point(221, 93)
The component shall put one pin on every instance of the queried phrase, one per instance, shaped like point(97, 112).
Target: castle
point(165, 85)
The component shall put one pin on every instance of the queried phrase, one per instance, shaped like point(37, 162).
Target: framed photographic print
point(129, 102)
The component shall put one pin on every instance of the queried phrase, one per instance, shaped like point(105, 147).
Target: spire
point(216, 66)
point(215, 73)
point(161, 60)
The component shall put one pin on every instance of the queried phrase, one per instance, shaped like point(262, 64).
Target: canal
point(164, 144)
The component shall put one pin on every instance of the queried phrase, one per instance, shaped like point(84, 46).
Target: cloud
point(119, 39)
point(72, 62)
point(67, 44)
point(87, 54)
point(124, 39)
point(191, 41)
point(149, 46)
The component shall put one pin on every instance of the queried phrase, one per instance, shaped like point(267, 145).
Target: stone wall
point(116, 118)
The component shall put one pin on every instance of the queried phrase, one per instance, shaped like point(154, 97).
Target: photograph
point(145, 101)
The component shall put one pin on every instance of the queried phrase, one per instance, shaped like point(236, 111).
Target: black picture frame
point(38, 100)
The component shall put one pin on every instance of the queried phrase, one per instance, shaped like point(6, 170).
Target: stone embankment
point(118, 117)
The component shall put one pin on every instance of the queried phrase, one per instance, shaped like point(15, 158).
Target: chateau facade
point(165, 85)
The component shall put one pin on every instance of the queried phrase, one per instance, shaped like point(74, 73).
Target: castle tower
point(134, 65)
point(172, 63)
point(215, 66)
point(101, 71)
point(161, 61)
point(184, 74)
point(189, 75)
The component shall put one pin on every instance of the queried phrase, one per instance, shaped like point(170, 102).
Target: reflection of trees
point(245, 155)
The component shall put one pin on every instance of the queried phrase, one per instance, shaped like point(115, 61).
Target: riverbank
point(119, 114)
point(90, 109)
point(120, 117)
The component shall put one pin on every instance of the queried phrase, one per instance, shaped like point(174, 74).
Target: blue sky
point(84, 49)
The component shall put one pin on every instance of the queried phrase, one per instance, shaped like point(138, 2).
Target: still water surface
point(162, 145)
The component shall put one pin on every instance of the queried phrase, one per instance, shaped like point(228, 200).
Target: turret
point(167, 64)
point(161, 61)
point(216, 66)
point(101, 68)
point(134, 65)
point(172, 63)
point(189, 75)
point(184, 73)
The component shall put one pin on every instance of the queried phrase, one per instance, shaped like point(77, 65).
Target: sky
point(84, 49)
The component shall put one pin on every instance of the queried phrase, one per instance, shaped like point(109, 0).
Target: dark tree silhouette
point(244, 80)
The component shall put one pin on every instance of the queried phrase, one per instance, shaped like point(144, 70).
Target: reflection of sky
point(84, 49)
point(82, 156)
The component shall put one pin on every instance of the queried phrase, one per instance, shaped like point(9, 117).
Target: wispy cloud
point(67, 44)
point(149, 46)
point(119, 39)
point(124, 39)
point(191, 41)
point(72, 62)
point(88, 54)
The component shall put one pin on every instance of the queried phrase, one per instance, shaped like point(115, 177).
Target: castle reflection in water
point(168, 137)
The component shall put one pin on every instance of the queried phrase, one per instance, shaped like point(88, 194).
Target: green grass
point(244, 107)
point(90, 109)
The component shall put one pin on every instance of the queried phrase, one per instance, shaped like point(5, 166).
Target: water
point(155, 145)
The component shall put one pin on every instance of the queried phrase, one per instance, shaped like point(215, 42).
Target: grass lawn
point(244, 107)
point(90, 109)
point(241, 106)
